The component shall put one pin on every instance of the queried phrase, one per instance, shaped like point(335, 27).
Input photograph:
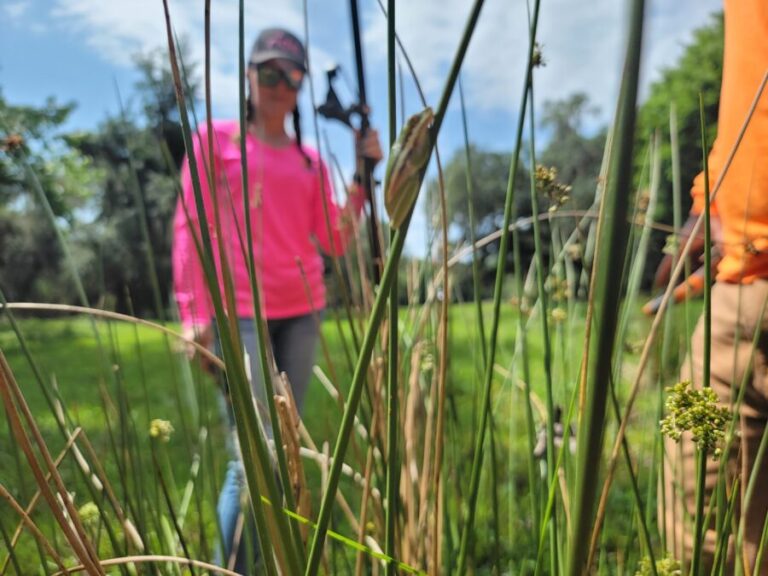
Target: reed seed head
point(558, 288)
point(670, 245)
point(697, 412)
point(574, 251)
point(160, 429)
point(558, 315)
point(664, 567)
point(89, 514)
point(546, 183)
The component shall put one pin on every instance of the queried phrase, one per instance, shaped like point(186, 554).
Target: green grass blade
point(480, 437)
point(701, 469)
point(375, 318)
point(393, 419)
point(544, 316)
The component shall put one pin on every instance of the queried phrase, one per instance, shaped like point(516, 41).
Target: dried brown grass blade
point(29, 523)
point(34, 500)
point(70, 523)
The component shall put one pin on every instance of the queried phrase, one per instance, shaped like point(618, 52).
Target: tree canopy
point(574, 155)
point(698, 71)
point(34, 156)
point(111, 187)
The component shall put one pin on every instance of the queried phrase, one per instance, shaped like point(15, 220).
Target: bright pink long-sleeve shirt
point(287, 220)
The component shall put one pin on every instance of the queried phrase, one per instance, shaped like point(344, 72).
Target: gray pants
point(293, 347)
point(293, 342)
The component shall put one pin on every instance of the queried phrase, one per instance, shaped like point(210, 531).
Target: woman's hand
point(201, 334)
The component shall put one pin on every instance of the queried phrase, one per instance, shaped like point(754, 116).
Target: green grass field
point(115, 386)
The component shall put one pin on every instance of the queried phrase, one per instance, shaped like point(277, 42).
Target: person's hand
point(693, 285)
point(695, 254)
point(368, 147)
point(201, 334)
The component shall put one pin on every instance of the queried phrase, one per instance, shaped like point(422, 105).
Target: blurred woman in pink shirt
point(290, 191)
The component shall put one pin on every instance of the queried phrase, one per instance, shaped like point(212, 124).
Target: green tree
point(32, 142)
point(158, 97)
point(699, 71)
point(34, 152)
point(135, 173)
point(139, 154)
point(575, 155)
point(490, 174)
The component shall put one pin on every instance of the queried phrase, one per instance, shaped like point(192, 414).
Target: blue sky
point(80, 50)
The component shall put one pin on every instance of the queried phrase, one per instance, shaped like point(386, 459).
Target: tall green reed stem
point(376, 316)
point(544, 316)
point(633, 287)
point(353, 398)
point(553, 484)
point(482, 344)
point(393, 420)
point(667, 345)
point(297, 548)
point(612, 238)
point(522, 351)
point(701, 455)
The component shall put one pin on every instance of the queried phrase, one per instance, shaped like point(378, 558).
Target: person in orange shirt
point(738, 177)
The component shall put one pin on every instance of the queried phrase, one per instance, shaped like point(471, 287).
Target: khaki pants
point(735, 318)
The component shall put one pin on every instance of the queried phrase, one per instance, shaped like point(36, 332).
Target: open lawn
point(114, 386)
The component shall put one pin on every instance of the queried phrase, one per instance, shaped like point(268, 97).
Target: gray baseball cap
point(278, 43)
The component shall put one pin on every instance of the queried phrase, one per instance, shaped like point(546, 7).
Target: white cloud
point(120, 29)
point(15, 10)
point(583, 45)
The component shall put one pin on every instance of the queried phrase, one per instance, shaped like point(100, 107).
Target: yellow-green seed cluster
point(546, 183)
point(160, 429)
point(664, 567)
point(697, 412)
point(89, 514)
point(670, 245)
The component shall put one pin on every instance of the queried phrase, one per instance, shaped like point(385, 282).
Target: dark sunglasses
point(271, 76)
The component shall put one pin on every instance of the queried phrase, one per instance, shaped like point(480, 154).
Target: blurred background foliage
point(96, 181)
